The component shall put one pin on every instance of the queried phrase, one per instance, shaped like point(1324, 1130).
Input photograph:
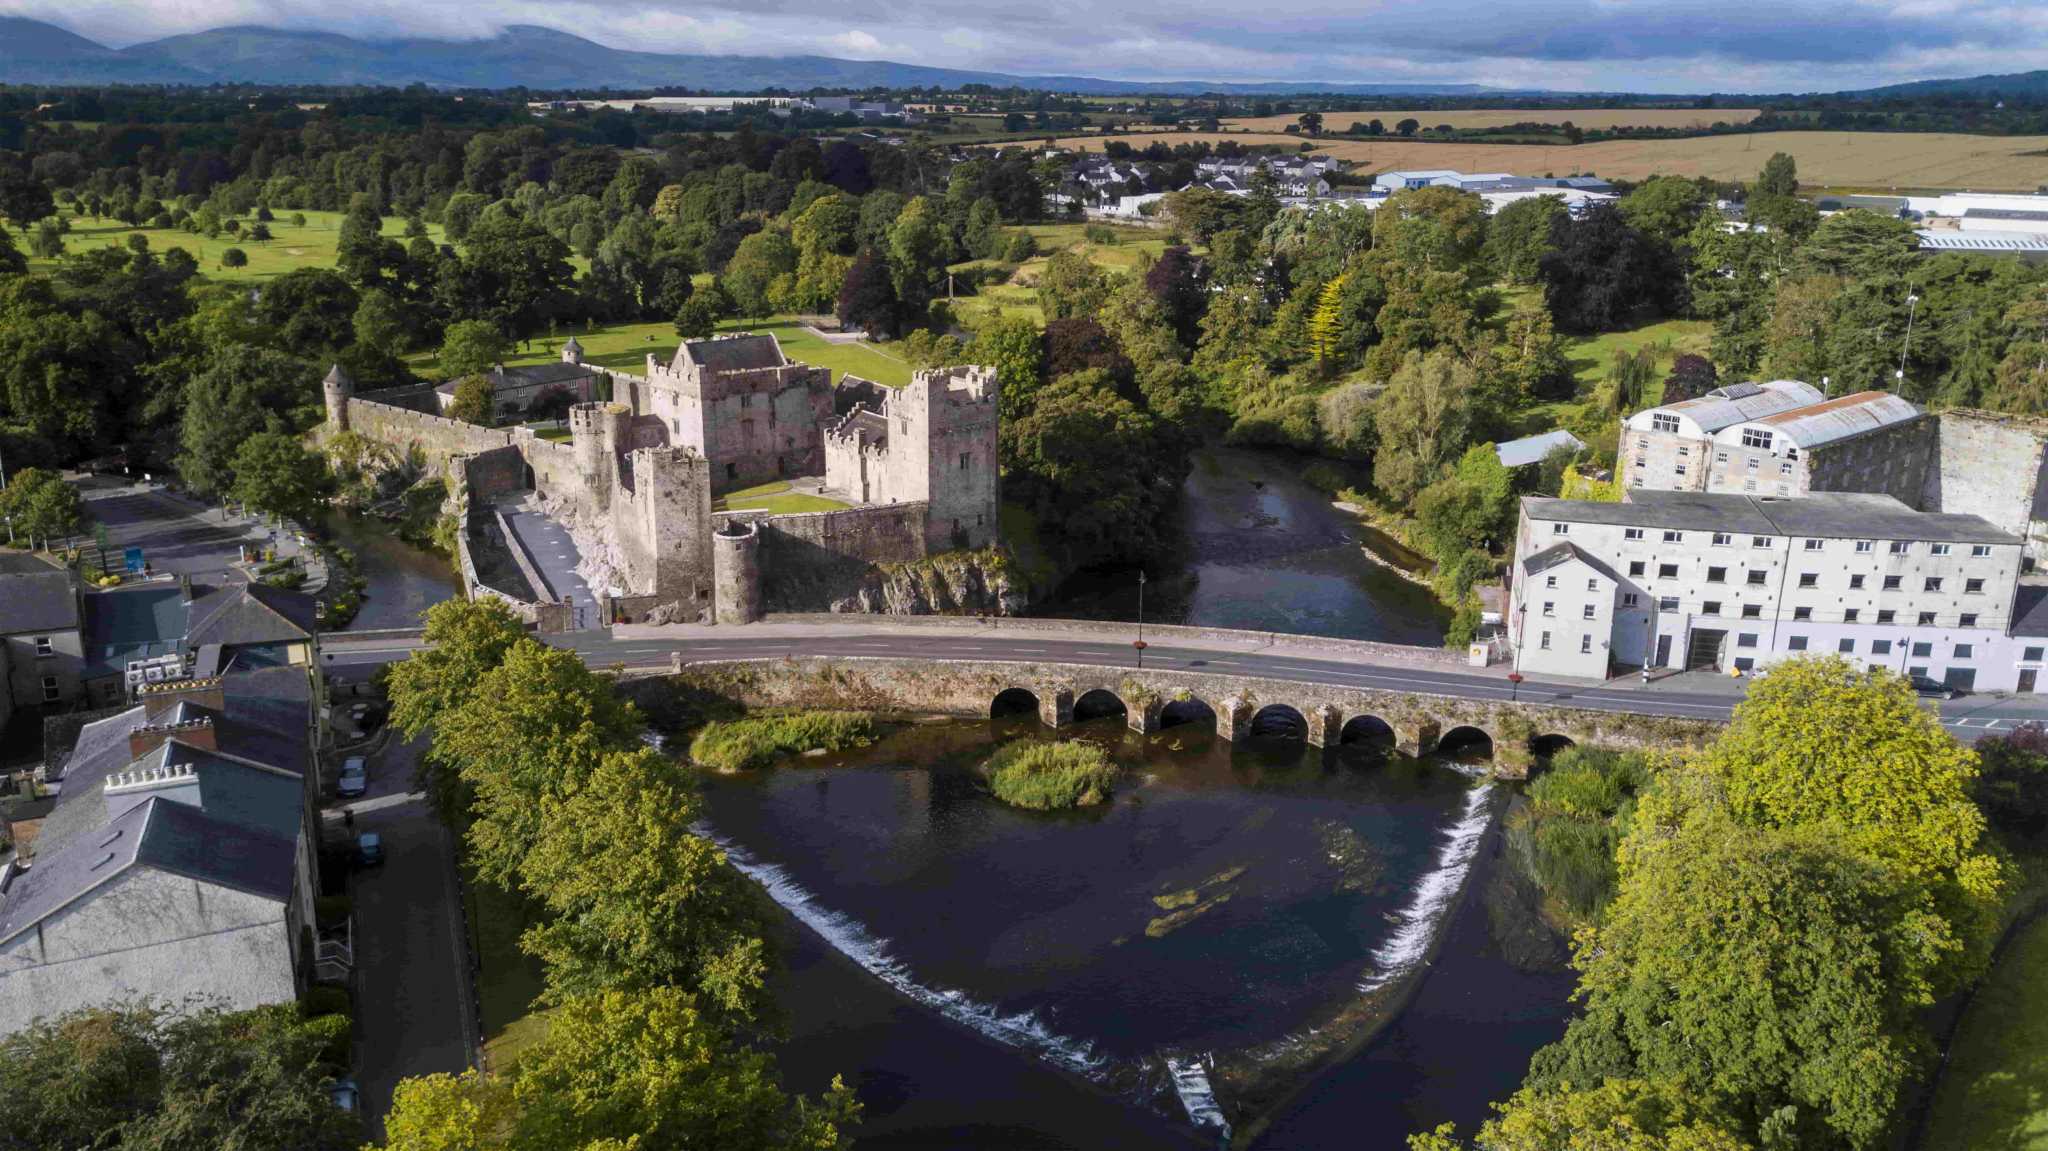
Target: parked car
point(1933, 688)
point(343, 1092)
point(369, 849)
point(355, 777)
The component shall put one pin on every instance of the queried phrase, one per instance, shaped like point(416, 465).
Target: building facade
point(1733, 582)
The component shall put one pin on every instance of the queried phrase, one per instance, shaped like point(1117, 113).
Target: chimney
point(150, 779)
point(159, 698)
point(193, 733)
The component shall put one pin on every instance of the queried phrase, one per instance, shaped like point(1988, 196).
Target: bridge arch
point(1367, 731)
point(1013, 701)
point(1466, 741)
point(1278, 721)
point(1545, 746)
point(1099, 703)
point(1189, 712)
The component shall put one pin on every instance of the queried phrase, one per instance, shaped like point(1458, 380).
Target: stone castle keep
point(638, 479)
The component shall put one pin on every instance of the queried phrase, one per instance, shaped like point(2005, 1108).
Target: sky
point(1590, 45)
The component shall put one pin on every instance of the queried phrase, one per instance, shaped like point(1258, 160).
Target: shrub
point(324, 999)
point(1050, 776)
point(736, 745)
point(332, 909)
point(1578, 812)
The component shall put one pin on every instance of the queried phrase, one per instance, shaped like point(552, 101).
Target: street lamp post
point(1521, 637)
point(1912, 307)
point(1140, 644)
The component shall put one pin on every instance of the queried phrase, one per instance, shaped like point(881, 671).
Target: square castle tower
point(933, 441)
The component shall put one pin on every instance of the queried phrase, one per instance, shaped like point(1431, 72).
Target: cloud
point(1638, 45)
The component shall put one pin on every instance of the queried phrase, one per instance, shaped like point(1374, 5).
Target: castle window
point(965, 459)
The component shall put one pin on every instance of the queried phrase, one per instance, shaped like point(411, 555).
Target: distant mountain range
point(2004, 84)
point(34, 52)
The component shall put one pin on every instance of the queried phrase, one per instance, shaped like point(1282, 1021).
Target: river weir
point(1236, 922)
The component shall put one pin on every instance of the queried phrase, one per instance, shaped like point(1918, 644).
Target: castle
point(901, 475)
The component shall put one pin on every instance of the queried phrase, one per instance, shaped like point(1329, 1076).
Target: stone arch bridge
point(1239, 706)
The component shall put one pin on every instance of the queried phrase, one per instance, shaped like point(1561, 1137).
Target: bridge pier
point(1055, 706)
point(1234, 718)
point(1144, 719)
point(1417, 738)
point(1325, 726)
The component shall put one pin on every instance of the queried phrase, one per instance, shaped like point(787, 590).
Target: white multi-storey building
point(1777, 439)
point(1733, 582)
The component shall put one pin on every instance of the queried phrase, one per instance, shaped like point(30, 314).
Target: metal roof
point(1826, 515)
point(1557, 555)
point(1533, 449)
point(1741, 403)
point(1843, 417)
point(1943, 240)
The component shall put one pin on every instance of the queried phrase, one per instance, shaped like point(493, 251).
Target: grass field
point(508, 979)
point(774, 498)
point(1874, 160)
point(1019, 296)
point(1589, 118)
point(625, 347)
point(291, 247)
point(1994, 1093)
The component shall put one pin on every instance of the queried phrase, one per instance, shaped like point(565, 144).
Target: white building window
point(1933, 583)
point(1585, 645)
point(1660, 422)
point(1939, 549)
point(1544, 643)
point(1549, 607)
point(1756, 438)
point(45, 647)
point(1549, 581)
point(1760, 542)
point(1631, 533)
point(1667, 603)
point(1723, 539)
point(1863, 547)
point(1898, 547)
point(1560, 529)
point(1815, 545)
point(1674, 537)
point(1979, 551)
point(1796, 643)
point(1968, 619)
point(1628, 599)
point(1586, 612)
point(1973, 587)
point(1592, 585)
point(49, 689)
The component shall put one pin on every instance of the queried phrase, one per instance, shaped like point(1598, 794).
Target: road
point(413, 1007)
point(177, 535)
point(1104, 646)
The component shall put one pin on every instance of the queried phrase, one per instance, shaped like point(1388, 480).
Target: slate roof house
point(40, 633)
point(181, 857)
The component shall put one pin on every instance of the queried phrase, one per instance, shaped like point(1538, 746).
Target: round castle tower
point(338, 388)
point(736, 572)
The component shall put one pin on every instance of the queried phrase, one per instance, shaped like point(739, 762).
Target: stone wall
point(814, 560)
point(1994, 466)
point(1891, 461)
point(495, 473)
point(437, 440)
point(1418, 720)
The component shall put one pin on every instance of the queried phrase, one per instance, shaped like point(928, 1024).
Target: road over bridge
point(1225, 671)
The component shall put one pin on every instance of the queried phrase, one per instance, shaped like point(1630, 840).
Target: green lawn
point(290, 248)
point(1994, 1093)
point(1593, 356)
point(625, 347)
point(508, 979)
point(775, 498)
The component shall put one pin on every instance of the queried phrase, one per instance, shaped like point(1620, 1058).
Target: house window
point(44, 647)
point(1585, 645)
point(1752, 466)
point(1673, 537)
point(1926, 619)
point(49, 689)
point(1784, 469)
point(1964, 650)
point(1639, 463)
point(1549, 608)
point(1856, 583)
point(1968, 619)
point(2032, 655)
point(1756, 578)
point(1752, 611)
point(1711, 607)
point(1933, 583)
point(1892, 583)
point(1898, 547)
point(1720, 457)
point(1635, 567)
point(1667, 571)
point(1862, 547)
point(1560, 529)
point(1809, 579)
point(1592, 585)
point(1723, 539)
point(1756, 438)
point(1632, 533)
point(1880, 647)
point(1717, 575)
point(1796, 643)
point(1973, 587)
point(1760, 542)
point(1678, 469)
point(1746, 639)
point(1628, 599)
point(1919, 672)
point(1544, 643)
point(1979, 551)
point(1939, 549)
point(1661, 422)
point(1684, 452)
point(1846, 646)
point(1802, 613)
point(1744, 663)
point(1667, 603)
point(1813, 545)
point(1887, 616)
point(1922, 650)
point(1850, 615)
point(1549, 581)
point(1586, 612)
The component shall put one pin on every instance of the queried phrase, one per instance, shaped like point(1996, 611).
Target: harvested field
point(1588, 118)
point(1877, 160)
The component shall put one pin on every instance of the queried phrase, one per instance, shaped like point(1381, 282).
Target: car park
point(355, 777)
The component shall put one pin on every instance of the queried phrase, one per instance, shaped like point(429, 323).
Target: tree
point(475, 400)
point(2022, 377)
point(1070, 285)
point(1325, 326)
point(23, 198)
point(1618, 1115)
point(471, 348)
point(1531, 358)
point(240, 392)
point(1861, 245)
point(464, 639)
point(751, 274)
point(12, 262)
point(1311, 123)
point(1603, 273)
point(1664, 207)
point(1692, 376)
point(1422, 422)
point(1408, 127)
point(39, 505)
point(443, 1112)
point(1097, 456)
point(46, 241)
point(1519, 234)
point(512, 272)
point(1178, 283)
point(312, 310)
point(867, 300)
point(919, 250)
point(1780, 177)
point(698, 318)
point(234, 258)
point(276, 475)
point(380, 323)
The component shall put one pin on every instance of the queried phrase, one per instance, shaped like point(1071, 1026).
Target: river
point(401, 580)
point(1330, 942)
point(1262, 550)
